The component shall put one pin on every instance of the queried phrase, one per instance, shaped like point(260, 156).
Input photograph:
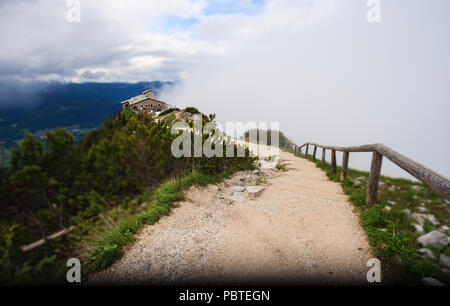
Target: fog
point(15, 94)
point(331, 77)
point(317, 67)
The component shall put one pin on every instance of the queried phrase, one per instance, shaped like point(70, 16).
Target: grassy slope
point(101, 236)
point(113, 237)
point(112, 242)
point(391, 234)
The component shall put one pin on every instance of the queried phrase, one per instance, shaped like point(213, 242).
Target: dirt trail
point(300, 230)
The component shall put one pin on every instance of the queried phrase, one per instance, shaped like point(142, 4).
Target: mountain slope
point(78, 106)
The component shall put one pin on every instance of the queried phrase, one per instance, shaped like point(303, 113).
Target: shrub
point(280, 166)
point(192, 110)
point(168, 111)
point(58, 183)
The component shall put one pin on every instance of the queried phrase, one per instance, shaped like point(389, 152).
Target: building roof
point(146, 95)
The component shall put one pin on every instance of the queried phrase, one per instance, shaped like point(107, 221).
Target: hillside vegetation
point(78, 108)
point(283, 140)
point(117, 179)
point(391, 227)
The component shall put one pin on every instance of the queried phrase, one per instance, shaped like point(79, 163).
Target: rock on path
point(300, 229)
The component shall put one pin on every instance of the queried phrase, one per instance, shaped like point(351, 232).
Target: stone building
point(145, 102)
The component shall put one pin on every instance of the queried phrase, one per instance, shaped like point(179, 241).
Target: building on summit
point(145, 103)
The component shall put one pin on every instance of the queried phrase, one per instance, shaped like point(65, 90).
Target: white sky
point(316, 66)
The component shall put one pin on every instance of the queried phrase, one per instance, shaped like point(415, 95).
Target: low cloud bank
point(338, 80)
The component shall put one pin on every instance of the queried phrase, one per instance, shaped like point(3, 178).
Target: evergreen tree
point(30, 152)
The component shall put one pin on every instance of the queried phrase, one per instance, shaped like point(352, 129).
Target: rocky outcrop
point(419, 229)
point(434, 238)
point(237, 189)
point(444, 260)
point(359, 182)
point(255, 191)
point(426, 253)
point(420, 218)
point(238, 197)
point(407, 212)
point(444, 228)
point(428, 281)
point(241, 187)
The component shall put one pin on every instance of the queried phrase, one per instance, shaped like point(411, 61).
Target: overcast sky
point(316, 66)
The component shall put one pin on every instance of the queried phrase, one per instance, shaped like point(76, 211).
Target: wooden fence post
point(295, 150)
point(333, 161)
point(307, 149)
point(323, 155)
point(344, 165)
point(314, 153)
point(374, 177)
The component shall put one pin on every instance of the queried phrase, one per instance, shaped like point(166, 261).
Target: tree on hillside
point(61, 159)
point(30, 152)
point(29, 190)
point(55, 183)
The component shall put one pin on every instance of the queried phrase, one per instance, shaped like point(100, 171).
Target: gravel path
point(301, 229)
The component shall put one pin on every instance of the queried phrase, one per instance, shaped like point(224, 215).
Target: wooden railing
point(432, 179)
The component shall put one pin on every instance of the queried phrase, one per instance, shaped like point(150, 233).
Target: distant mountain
point(76, 107)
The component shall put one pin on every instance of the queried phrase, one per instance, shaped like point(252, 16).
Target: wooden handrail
point(432, 179)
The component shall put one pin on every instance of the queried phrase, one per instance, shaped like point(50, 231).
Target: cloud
point(329, 76)
point(128, 40)
point(93, 75)
point(40, 44)
point(316, 66)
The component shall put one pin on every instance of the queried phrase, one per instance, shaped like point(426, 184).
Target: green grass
point(261, 180)
point(168, 111)
point(170, 119)
point(280, 166)
point(391, 234)
point(110, 245)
